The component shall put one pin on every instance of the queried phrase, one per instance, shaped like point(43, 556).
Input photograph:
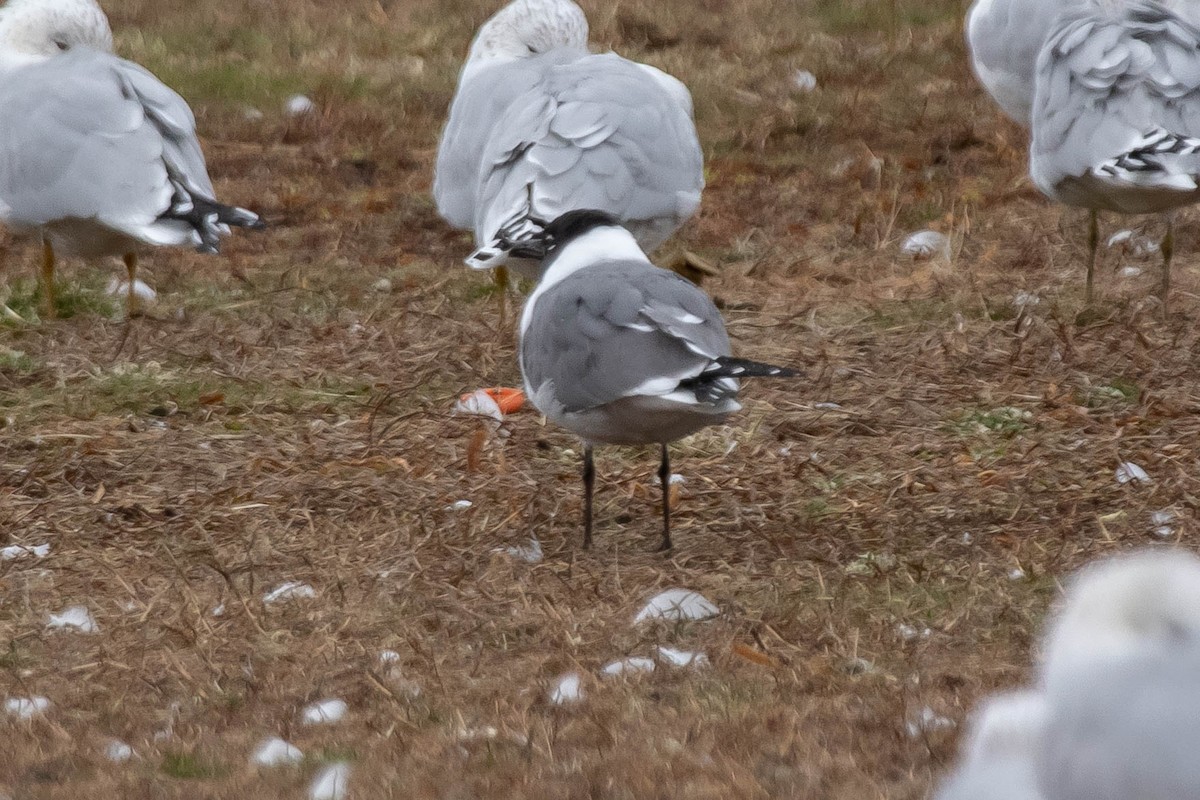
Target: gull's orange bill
point(507, 399)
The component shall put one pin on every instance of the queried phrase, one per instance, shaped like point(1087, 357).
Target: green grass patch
point(1119, 392)
point(188, 766)
point(16, 362)
point(1005, 421)
point(87, 297)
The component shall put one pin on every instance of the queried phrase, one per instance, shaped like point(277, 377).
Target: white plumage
point(96, 154)
point(540, 125)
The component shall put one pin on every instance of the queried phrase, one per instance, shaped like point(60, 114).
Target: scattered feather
point(1127, 472)
point(218, 610)
point(16, 551)
point(389, 657)
point(459, 505)
point(298, 105)
point(1024, 299)
point(26, 707)
point(275, 752)
point(926, 244)
point(118, 752)
point(75, 617)
point(677, 604)
point(292, 590)
point(925, 722)
point(383, 286)
point(324, 712)
point(331, 783)
point(1129, 272)
point(530, 553)
point(478, 733)
point(567, 690)
point(909, 632)
point(682, 658)
point(1017, 574)
point(479, 403)
point(804, 81)
point(1120, 237)
point(628, 666)
point(1164, 523)
point(142, 291)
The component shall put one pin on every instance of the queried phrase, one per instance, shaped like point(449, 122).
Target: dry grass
point(277, 418)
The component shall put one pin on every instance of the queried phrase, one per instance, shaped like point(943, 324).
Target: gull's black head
point(527, 236)
point(574, 224)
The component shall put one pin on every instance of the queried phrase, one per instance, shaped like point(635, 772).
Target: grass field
point(882, 537)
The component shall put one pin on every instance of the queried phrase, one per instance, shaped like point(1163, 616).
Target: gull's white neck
point(10, 61)
point(612, 243)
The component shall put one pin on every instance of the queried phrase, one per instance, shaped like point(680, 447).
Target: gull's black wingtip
point(729, 367)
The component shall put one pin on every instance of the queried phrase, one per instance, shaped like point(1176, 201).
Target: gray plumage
point(558, 129)
point(1004, 38)
point(999, 753)
point(606, 349)
point(619, 351)
point(1127, 728)
point(100, 154)
point(1121, 681)
point(1116, 107)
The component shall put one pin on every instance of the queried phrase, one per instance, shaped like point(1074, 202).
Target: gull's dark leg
point(48, 293)
point(1093, 243)
point(589, 482)
point(664, 478)
point(1168, 249)
point(131, 265)
point(501, 277)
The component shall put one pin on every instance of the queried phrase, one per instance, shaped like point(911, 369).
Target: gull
point(96, 154)
point(999, 756)
point(1004, 38)
point(618, 350)
point(1121, 679)
point(536, 115)
point(1116, 114)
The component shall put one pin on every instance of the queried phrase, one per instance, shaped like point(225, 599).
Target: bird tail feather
point(1156, 157)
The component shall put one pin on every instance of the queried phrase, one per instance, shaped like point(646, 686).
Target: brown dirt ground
point(278, 417)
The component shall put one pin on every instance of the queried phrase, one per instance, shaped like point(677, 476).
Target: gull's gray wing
point(484, 94)
point(598, 132)
point(1125, 730)
point(1004, 38)
point(87, 135)
point(616, 330)
point(1115, 80)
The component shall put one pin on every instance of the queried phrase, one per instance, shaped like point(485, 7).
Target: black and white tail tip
point(1145, 154)
point(729, 367)
point(714, 384)
point(208, 217)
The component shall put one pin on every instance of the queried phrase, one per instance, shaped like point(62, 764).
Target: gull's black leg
point(500, 276)
point(589, 482)
point(1168, 249)
point(1093, 243)
point(664, 477)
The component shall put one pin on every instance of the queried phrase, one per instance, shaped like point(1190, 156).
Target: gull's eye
point(61, 44)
